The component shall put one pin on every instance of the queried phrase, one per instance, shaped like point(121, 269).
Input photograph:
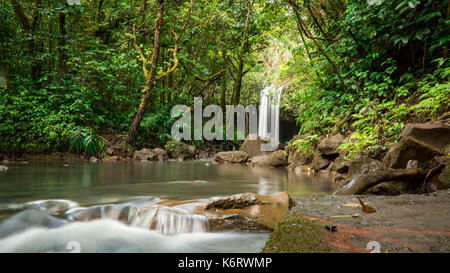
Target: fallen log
point(365, 181)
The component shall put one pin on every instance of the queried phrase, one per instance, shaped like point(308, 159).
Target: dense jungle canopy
point(79, 71)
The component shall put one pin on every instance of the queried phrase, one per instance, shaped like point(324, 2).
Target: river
point(64, 207)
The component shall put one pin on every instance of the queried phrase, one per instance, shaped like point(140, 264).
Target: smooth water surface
point(28, 225)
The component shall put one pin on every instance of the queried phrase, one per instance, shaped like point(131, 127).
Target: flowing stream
point(131, 206)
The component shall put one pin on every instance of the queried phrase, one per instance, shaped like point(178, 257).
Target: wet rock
point(206, 153)
point(341, 165)
point(330, 145)
point(257, 159)
point(337, 177)
point(110, 151)
point(144, 155)
point(113, 158)
point(231, 156)
point(266, 210)
point(297, 234)
point(253, 147)
point(180, 150)
point(445, 176)
point(52, 206)
point(161, 154)
point(236, 223)
point(388, 188)
point(29, 218)
point(297, 159)
point(151, 155)
point(3, 168)
point(275, 159)
point(419, 142)
point(237, 201)
point(319, 162)
point(362, 182)
point(93, 159)
point(363, 165)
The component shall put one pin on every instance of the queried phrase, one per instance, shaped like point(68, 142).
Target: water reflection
point(109, 182)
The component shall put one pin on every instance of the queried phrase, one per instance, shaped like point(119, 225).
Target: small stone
point(412, 164)
point(110, 151)
point(231, 156)
point(93, 159)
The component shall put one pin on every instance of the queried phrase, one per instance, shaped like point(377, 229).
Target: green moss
point(297, 235)
point(305, 145)
point(175, 148)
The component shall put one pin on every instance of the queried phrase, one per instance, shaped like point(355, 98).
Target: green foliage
point(84, 140)
point(305, 145)
point(435, 94)
point(157, 126)
point(391, 56)
point(359, 144)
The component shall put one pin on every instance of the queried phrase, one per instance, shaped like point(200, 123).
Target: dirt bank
point(405, 223)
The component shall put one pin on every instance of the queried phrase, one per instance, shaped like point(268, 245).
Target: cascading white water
point(269, 113)
point(167, 220)
point(163, 219)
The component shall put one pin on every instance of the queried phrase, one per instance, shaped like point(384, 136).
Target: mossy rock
point(179, 149)
point(297, 235)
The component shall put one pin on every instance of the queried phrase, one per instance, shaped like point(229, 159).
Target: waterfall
point(269, 114)
point(167, 220)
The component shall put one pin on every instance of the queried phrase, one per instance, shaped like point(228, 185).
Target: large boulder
point(161, 154)
point(237, 201)
point(419, 142)
point(445, 176)
point(144, 155)
point(248, 211)
point(388, 188)
point(257, 159)
point(275, 159)
point(329, 146)
point(319, 162)
point(231, 157)
point(341, 165)
point(150, 155)
point(180, 150)
point(237, 223)
point(253, 147)
point(363, 165)
point(297, 158)
point(3, 168)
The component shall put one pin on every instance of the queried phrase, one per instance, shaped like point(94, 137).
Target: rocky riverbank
point(418, 163)
point(405, 223)
point(406, 188)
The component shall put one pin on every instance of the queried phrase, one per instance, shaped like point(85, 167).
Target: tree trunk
point(235, 96)
point(308, 34)
point(223, 91)
point(363, 182)
point(34, 46)
point(61, 44)
point(150, 79)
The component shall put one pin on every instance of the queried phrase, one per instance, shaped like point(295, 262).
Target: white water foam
point(112, 236)
point(167, 220)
